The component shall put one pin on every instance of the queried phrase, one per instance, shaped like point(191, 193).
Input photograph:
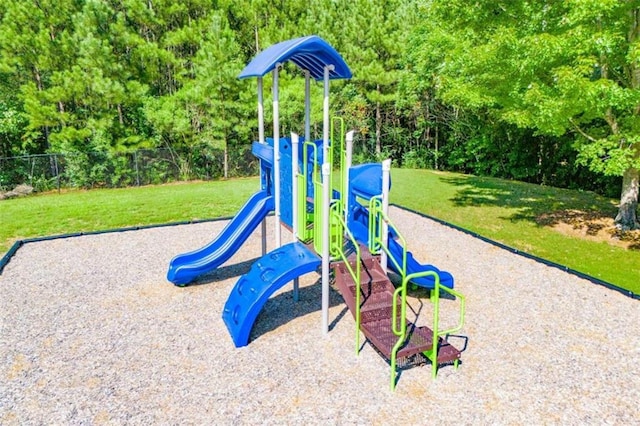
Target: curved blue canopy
point(310, 53)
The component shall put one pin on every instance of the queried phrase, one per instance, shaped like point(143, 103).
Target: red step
point(419, 339)
point(376, 301)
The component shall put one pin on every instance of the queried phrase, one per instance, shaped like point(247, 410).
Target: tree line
point(539, 91)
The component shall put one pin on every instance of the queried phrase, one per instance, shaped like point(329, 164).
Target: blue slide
point(268, 274)
point(184, 268)
point(359, 226)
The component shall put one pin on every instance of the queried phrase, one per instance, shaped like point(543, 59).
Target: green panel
point(317, 218)
point(336, 229)
point(302, 231)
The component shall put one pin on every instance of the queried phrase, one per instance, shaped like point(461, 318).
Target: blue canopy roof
point(309, 53)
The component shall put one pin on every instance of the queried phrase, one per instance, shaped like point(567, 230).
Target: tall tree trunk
point(38, 79)
point(437, 153)
point(120, 115)
point(627, 217)
point(226, 159)
point(378, 127)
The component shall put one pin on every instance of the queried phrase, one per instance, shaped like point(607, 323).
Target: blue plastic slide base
point(267, 275)
point(185, 268)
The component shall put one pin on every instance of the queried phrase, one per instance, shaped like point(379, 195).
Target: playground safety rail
point(432, 354)
point(376, 244)
point(337, 250)
point(376, 219)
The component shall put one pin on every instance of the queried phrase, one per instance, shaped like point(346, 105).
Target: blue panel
point(268, 274)
point(365, 180)
point(184, 268)
point(309, 53)
point(286, 182)
point(264, 152)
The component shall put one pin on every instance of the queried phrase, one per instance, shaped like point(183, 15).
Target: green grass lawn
point(100, 209)
point(506, 211)
point(501, 210)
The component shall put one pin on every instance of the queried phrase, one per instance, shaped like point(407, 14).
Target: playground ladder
point(377, 314)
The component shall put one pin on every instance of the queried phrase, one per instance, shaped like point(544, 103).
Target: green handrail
point(375, 226)
point(304, 234)
point(337, 247)
point(402, 332)
point(336, 242)
point(433, 353)
point(376, 219)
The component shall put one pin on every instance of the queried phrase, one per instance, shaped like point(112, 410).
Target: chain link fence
point(45, 172)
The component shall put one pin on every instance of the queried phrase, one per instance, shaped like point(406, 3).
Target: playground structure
point(340, 224)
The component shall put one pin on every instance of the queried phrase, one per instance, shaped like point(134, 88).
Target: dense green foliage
point(538, 91)
point(502, 210)
point(559, 68)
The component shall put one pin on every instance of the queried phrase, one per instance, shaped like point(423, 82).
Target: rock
point(18, 191)
point(23, 190)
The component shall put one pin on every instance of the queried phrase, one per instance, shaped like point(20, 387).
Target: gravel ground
point(92, 333)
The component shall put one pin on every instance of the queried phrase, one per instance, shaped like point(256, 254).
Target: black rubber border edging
point(527, 255)
point(14, 248)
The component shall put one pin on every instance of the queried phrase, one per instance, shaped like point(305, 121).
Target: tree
point(215, 91)
point(12, 122)
point(378, 31)
point(206, 111)
point(33, 46)
point(555, 67)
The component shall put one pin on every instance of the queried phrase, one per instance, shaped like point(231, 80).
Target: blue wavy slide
point(268, 274)
point(186, 267)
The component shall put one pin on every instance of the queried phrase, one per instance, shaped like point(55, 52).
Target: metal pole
point(326, 170)
point(325, 125)
point(260, 111)
point(55, 160)
point(295, 140)
point(263, 225)
point(294, 201)
point(386, 169)
point(326, 193)
point(276, 154)
point(307, 136)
